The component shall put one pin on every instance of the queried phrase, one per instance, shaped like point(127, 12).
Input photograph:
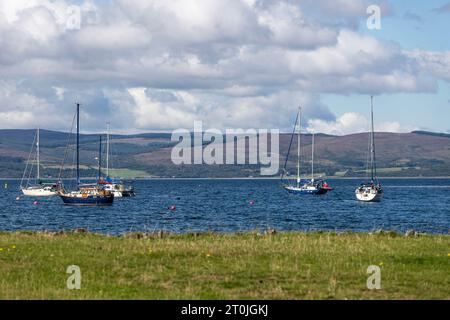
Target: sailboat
point(87, 194)
point(117, 187)
point(39, 189)
point(311, 186)
point(371, 191)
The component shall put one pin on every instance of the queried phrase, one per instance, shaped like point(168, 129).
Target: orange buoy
point(173, 208)
point(252, 202)
point(36, 203)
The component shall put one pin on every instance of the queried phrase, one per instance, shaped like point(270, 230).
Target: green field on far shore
point(254, 265)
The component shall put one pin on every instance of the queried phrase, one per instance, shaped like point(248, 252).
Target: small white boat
point(371, 191)
point(115, 186)
point(38, 189)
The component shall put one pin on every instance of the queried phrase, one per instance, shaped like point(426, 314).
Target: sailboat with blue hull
point(89, 197)
point(301, 186)
point(86, 194)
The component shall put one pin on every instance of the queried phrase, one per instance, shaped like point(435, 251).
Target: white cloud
point(432, 63)
point(231, 63)
point(111, 38)
point(289, 27)
point(59, 92)
point(347, 123)
point(24, 110)
point(352, 122)
point(162, 109)
point(151, 113)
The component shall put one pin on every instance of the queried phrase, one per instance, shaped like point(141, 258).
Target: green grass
point(224, 266)
point(127, 173)
point(389, 170)
point(122, 173)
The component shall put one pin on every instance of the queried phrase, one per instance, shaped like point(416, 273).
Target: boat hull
point(123, 194)
point(93, 200)
point(369, 195)
point(39, 192)
point(311, 191)
point(128, 194)
point(117, 194)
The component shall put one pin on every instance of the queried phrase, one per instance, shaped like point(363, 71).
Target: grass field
point(122, 173)
point(127, 173)
point(224, 266)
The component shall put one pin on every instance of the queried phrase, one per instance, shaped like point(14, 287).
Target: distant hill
point(417, 153)
point(435, 134)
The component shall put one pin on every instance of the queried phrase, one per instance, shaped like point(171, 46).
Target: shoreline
point(262, 231)
point(249, 178)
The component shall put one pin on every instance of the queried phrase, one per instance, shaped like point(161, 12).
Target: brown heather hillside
point(398, 154)
point(405, 149)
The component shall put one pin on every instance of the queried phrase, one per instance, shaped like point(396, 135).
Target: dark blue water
point(224, 206)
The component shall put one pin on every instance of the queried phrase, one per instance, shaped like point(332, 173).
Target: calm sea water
point(226, 206)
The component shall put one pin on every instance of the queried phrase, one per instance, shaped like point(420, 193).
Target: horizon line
point(88, 133)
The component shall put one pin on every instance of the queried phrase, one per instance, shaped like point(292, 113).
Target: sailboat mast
point(299, 145)
point(107, 148)
point(312, 158)
point(78, 144)
point(100, 159)
point(37, 155)
point(372, 142)
point(374, 160)
point(290, 145)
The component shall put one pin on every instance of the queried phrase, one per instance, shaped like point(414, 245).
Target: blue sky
point(157, 65)
point(414, 25)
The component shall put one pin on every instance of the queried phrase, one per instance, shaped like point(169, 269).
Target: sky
point(157, 65)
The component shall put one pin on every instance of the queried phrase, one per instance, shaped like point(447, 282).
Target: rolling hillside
point(148, 155)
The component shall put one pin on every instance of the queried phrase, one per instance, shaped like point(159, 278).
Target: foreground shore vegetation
point(254, 265)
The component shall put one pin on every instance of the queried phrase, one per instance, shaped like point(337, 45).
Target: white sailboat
point(114, 186)
point(371, 191)
point(39, 189)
